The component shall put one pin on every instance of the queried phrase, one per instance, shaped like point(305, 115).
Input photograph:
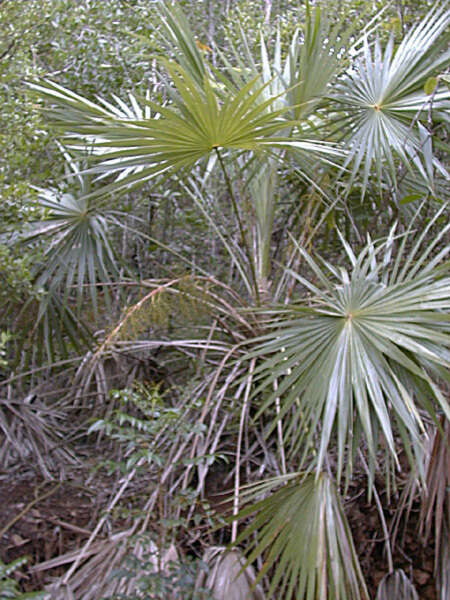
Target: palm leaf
point(56, 329)
point(356, 358)
point(380, 98)
point(144, 142)
point(175, 138)
point(312, 61)
point(76, 257)
point(175, 33)
point(304, 539)
point(75, 238)
point(79, 250)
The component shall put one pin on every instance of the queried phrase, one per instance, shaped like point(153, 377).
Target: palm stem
point(240, 224)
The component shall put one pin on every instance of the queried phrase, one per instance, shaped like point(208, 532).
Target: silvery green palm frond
point(312, 59)
point(382, 99)
point(356, 359)
point(304, 540)
point(75, 259)
point(77, 253)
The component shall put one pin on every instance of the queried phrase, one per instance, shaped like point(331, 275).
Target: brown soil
point(42, 520)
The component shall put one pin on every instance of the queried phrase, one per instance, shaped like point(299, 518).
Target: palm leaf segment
point(360, 351)
point(382, 96)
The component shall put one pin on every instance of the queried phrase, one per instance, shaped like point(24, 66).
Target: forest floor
point(45, 519)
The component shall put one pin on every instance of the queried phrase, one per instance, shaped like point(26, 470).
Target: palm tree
point(341, 368)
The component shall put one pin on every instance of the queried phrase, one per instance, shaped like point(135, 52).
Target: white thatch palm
point(355, 358)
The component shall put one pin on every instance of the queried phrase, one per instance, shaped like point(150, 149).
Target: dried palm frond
point(102, 574)
point(396, 586)
point(32, 432)
point(227, 578)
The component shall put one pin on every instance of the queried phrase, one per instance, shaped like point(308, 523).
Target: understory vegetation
point(224, 300)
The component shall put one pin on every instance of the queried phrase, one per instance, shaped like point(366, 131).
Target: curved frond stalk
point(382, 100)
point(356, 359)
point(304, 538)
point(396, 585)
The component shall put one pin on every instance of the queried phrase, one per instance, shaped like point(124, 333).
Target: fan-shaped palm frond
point(356, 358)
point(176, 137)
point(77, 248)
point(75, 257)
point(304, 538)
point(202, 117)
point(382, 97)
point(312, 60)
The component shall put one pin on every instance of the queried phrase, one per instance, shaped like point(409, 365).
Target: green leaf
point(430, 85)
point(410, 198)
